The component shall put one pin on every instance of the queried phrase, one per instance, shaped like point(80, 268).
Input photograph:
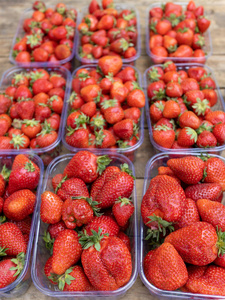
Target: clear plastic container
point(207, 48)
point(6, 81)
point(22, 283)
point(20, 33)
point(219, 106)
point(151, 171)
point(41, 254)
point(119, 7)
point(127, 151)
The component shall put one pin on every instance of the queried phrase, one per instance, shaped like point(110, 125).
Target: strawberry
point(19, 205)
point(19, 141)
point(189, 169)
point(156, 110)
point(190, 214)
point(171, 109)
point(77, 211)
point(211, 191)
point(24, 225)
point(67, 188)
point(164, 136)
point(219, 133)
point(11, 239)
point(42, 86)
point(66, 251)
point(113, 112)
point(5, 103)
point(25, 178)
point(86, 166)
point(187, 137)
point(56, 180)
point(106, 261)
point(125, 239)
point(216, 117)
point(215, 171)
point(25, 108)
point(206, 139)
point(10, 269)
point(212, 212)
point(125, 129)
point(48, 271)
point(79, 282)
point(55, 229)
point(196, 243)
point(110, 64)
point(42, 112)
point(104, 139)
point(189, 119)
point(106, 223)
point(207, 280)
point(78, 138)
point(50, 202)
point(21, 160)
point(89, 109)
point(122, 210)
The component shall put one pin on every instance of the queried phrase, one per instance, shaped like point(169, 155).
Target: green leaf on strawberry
point(48, 241)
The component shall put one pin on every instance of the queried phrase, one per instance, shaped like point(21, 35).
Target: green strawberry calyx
point(19, 77)
point(63, 279)
point(159, 95)
point(88, 241)
point(122, 144)
point(19, 261)
point(72, 97)
point(125, 168)
point(123, 201)
point(99, 137)
point(159, 229)
point(98, 122)
point(2, 219)
point(60, 184)
point(92, 203)
point(17, 141)
point(48, 241)
point(200, 106)
point(102, 162)
point(109, 103)
point(30, 123)
point(29, 166)
point(220, 241)
point(81, 121)
point(192, 133)
point(153, 75)
point(5, 173)
point(3, 250)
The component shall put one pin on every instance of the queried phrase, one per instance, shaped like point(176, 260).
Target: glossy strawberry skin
point(7, 275)
point(106, 223)
point(211, 191)
point(72, 187)
point(215, 170)
point(50, 202)
point(80, 283)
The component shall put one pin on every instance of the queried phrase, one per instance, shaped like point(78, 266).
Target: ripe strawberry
point(21, 160)
point(104, 139)
point(89, 109)
point(50, 202)
point(55, 229)
point(190, 214)
point(187, 137)
point(56, 180)
point(11, 238)
point(10, 269)
point(25, 178)
point(66, 251)
point(48, 271)
point(113, 112)
point(211, 191)
point(25, 108)
point(86, 166)
point(98, 258)
point(171, 109)
point(136, 98)
point(156, 110)
point(75, 187)
point(78, 138)
point(196, 243)
point(219, 133)
point(216, 117)
point(215, 171)
point(19, 205)
point(189, 119)
point(110, 64)
point(106, 223)
point(122, 210)
point(189, 169)
point(19, 141)
point(5, 103)
point(165, 268)
point(125, 129)
point(206, 139)
point(164, 136)
point(79, 282)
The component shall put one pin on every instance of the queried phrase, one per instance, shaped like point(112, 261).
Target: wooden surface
point(10, 14)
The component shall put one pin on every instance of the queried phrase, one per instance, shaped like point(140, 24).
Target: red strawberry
point(215, 171)
point(56, 180)
point(79, 282)
point(110, 64)
point(219, 133)
point(106, 223)
point(25, 109)
point(107, 263)
point(78, 138)
point(71, 187)
point(164, 136)
point(165, 268)
point(122, 210)
point(48, 271)
point(104, 139)
point(66, 251)
point(12, 239)
point(187, 137)
point(196, 243)
point(24, 225)
point(46, 138)
point(206, 139)
point(189, 169)
point(25, 178)
point(86, 166)
point(211, 191)
point(125, 129)
point(50, 202)
point(19, 205)
point(21, 160)
point(55, 229)
point(190, 214)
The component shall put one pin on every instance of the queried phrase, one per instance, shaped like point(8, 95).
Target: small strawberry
point(187, 137)
point(122, 210)
point(164, 136)
point(215, 171)
point(21, 160)
point(77, 138)
point(86, 166)
point(75, 187)
point(50, 202)
point(66, 251)
point(104, 139)
point(189, 169)
point(189, 119)
point(219, 133)
point(171, 109)
point(110, 64)
point(206, 139)
point(125, 129)
point(25, 108)
point(211, 191)
point(19, 205)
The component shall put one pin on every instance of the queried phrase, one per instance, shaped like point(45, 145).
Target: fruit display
point(45, 36)
point(185, 109)
point(112, 29)
point(89, 241)
point(179, 32)
point(20, 186)
point(31, 105)
point(105, 107)
point(182, 227)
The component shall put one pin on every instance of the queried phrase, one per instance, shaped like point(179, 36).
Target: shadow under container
point(41, 254)
point(128, 151)
point(151, 171)
point(22, 283)
point(53, 150)
point(207, 48)
point(219, 106)
point(20, 33)
point(118, 6)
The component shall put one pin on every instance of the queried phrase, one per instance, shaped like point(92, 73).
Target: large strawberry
point(86, 166)
point(26, 177)
point(106, 261)
point(66, 251)
point(11, 239)
point(110, 64)
point(19, 205)
point(215, 171)
point(72, 187)
point(211, 191)
point(189, 168)
point(196, 243)
point(165, 268)
point(50, 202)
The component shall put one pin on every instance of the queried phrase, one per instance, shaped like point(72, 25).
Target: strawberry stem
point(87, 241)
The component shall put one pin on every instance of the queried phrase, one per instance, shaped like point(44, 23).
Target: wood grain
point(10, 14)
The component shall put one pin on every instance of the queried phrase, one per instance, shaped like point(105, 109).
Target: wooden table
point(10, 13)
